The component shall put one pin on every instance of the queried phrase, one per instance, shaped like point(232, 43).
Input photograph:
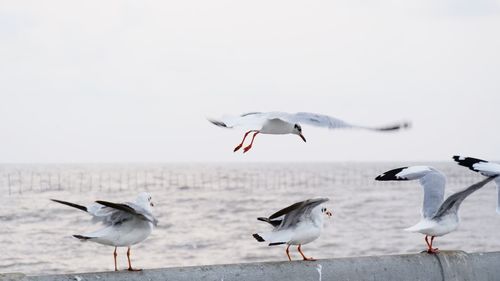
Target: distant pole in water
point(19, 176)
point(31, 181)
point(9, 183)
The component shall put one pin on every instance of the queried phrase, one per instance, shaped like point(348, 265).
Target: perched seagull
point(281, 123)
point(485, 168)
point(125, 224)
point(438, 217)
point(297, 224)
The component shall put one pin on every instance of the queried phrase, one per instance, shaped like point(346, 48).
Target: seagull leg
point(114, 255)
point(433, 250)
point(129, 263)
point(241, 144)
point(303, 256)
point(250, 145)
point(288, 253)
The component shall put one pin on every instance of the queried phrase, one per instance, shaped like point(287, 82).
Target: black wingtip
point(395, 127)
point(468, 161)
point(83, 208)
point(391, 175)
point(263, 219)
point(258, 237)
point(81, 237)
point(276, 243)
point(217, 123)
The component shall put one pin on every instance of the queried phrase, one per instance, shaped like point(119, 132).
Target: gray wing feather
point(452, 203)
point(130, 209)
point(297, 212)
point(434, 184)
point(325, 121)
point(318, 120)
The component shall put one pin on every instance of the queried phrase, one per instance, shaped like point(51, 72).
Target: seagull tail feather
point(81, 237)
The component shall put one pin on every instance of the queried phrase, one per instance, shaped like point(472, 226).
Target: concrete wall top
point(447, 265)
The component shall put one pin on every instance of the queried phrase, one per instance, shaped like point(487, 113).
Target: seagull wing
point(296, 212)
point(130, 209)
point(452, 203)
point(325, 121)
point(432, 181)
point(252, 120)
point(100, 213)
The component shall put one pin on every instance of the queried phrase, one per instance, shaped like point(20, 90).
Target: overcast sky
point(114, 81)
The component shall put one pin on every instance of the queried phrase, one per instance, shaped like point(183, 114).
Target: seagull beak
point(302, 137)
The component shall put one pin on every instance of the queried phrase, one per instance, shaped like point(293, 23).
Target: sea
point(207, 213)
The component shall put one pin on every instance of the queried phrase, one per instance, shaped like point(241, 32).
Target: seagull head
point(144, 200)
point(297, 129)
point(327, 212)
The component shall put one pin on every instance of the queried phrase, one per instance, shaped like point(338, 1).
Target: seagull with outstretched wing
point(281, 123)
point(438, 217)
point(126, 224)
point(297, 224)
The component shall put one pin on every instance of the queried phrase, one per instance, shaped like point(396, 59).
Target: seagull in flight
point(297, 224)
point(281, 123)
point(438, 217)
point(485, 168)
point(125, 224)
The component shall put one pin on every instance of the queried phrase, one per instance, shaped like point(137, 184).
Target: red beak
point(302, 137)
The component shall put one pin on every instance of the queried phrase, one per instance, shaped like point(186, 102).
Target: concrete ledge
point(444, 266)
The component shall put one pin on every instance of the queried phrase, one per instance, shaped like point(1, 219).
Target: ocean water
point(207, 213)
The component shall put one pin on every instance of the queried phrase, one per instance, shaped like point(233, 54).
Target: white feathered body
point(436, 227)
point(124, 234)
point(276, 127)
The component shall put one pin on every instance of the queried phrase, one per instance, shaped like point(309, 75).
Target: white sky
point(112, 81)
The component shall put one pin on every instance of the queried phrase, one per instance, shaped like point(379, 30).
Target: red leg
point(427, 242)
point(250, 145)
point(433, 250)
point(114, 255)
point(288, 253)
point(303, 256)
point(129, 263)
point(241, 144)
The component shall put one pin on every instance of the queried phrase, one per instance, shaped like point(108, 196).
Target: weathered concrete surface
point(455, 266)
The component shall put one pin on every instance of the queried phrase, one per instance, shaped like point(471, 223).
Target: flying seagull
point(485, 168)
point(125, 224)
point(297, 224)
point(281, 123)
point(438, 217)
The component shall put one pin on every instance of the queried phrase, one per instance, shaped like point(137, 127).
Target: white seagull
point(485, 168)
point(281, 123)
point(438, 217)
point(297, 224)
point(125, 224)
